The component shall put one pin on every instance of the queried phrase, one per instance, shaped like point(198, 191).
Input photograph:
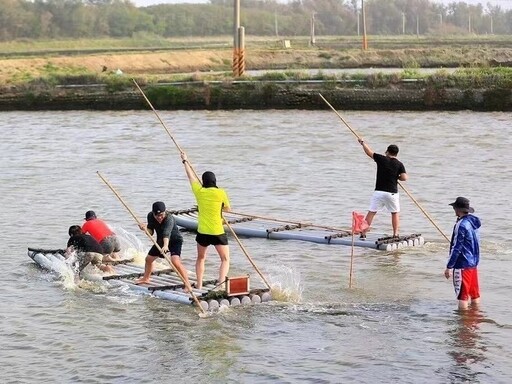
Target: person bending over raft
point(98, 229)
point(88, 250)
point(211, 201)
point(168, 237)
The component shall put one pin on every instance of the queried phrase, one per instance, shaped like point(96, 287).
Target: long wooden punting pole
point(154, 241)
point(302, 224)
point(195, 173)
point(352, 254)
point(399, 183)
point(158, 116)
point(247, 254)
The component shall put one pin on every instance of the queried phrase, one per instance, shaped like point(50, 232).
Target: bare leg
point(463, 304)
point(223, 251)
point(369, 219)
point(201, 257)
point(106, 268)
point(176, 261)
point(475, 302)
point(148, 268)
point(395, 222)
point(108, 258)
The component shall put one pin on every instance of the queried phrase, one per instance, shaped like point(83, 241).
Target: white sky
point(505, 4)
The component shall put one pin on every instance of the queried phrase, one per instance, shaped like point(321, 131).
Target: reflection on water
point(467, 347)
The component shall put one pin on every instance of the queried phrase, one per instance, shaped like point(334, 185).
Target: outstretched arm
point(366, 148)
point(188, 168)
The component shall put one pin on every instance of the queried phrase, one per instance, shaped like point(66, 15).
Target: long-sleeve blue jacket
point(465, 243)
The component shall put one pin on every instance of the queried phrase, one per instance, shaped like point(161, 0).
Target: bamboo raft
point(254, 226)
point(165, 284)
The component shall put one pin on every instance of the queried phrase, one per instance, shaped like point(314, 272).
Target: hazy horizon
point(505, 4)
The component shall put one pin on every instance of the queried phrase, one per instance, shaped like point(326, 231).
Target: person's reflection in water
point(468, 349)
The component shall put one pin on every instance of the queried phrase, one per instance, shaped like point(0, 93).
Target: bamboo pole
point(399, 183)
point(302, 224)
point(352, 254)
point(247, 254)
point(167, 258)
point(158, 116)
point(197, 177)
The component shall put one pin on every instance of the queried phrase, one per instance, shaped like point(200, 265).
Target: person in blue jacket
point(464, 254)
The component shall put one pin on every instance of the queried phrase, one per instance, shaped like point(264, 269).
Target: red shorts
point(465, 282)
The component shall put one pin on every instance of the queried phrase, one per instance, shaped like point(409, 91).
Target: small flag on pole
point(359, 224)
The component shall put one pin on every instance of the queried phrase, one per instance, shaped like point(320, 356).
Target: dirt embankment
point(167, 62)
point(160, 65)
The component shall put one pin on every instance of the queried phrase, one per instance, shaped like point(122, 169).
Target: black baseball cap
point(158, 207)
point(89, 215)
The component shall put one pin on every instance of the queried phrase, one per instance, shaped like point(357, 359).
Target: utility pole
point(440, 20)
point(238, 64)
point(365, 41)
point(403, 23)
point(358, 16)
point(492, 29)
point(312, 40)
point(417, 25)
point(275, 23)
point(469, 23)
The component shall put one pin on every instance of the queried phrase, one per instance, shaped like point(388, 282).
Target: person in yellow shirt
point(211, 202)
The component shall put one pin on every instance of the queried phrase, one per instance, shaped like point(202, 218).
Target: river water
point(397, 324)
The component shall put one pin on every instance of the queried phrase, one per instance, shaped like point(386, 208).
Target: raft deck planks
point(261, 228)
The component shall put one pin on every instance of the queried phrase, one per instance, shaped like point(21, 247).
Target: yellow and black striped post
point(238, 64)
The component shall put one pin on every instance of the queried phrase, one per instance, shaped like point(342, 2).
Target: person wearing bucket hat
point(211, 201)
point(389, 171)
point(463, 204)
point(168, 237)
point(103, 234)
point(464, 257)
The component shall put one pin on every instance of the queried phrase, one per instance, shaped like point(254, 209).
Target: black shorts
point(174, 249)
point(206, 240)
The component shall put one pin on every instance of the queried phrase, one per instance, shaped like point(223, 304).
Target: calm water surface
point(398, 324)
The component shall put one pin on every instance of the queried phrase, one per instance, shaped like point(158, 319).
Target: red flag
point(359, 224)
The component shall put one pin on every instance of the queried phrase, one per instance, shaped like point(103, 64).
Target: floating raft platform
point(165, 284)
point(253, 226)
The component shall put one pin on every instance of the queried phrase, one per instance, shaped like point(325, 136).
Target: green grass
point(146, 41)
point(139, 41)
point(464, 78)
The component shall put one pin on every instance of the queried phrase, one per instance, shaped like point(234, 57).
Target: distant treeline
point(38, 19)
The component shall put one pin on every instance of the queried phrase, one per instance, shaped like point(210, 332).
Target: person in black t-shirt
point(168, 237)
point(88, 250)
point(389, 171)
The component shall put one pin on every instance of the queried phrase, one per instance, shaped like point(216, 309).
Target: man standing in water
point(464, 254)
point(389, 171)
point(168, 237)
point(211, 201)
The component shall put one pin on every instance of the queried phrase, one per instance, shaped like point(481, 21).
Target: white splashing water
point(286, 283)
